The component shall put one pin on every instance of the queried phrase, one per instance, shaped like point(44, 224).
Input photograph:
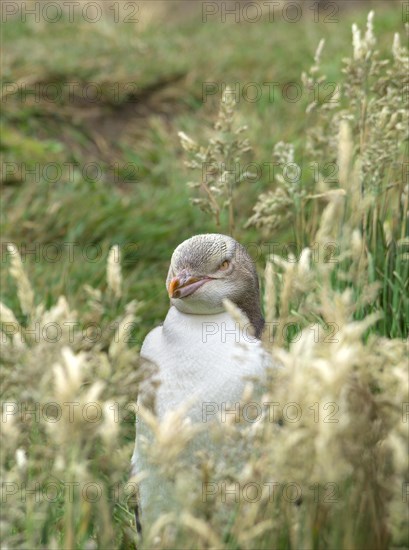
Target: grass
point(150, 79)
point(42, 133)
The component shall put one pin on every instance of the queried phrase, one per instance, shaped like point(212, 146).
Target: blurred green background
point(92, 104)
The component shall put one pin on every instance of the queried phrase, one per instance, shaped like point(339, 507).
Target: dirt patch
point(96, 130)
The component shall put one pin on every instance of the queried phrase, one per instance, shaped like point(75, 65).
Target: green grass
point(151, 211)
point(144, 205)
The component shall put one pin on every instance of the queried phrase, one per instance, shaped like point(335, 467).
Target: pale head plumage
point(208, 268)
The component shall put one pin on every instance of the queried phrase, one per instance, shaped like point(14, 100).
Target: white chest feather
point(201, 359)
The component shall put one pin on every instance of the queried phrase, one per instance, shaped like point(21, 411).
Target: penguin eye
point(224, 265)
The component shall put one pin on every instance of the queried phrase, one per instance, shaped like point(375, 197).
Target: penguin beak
point(184, 284)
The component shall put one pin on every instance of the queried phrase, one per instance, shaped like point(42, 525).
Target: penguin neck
point(250, 305)
point(182, 322)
